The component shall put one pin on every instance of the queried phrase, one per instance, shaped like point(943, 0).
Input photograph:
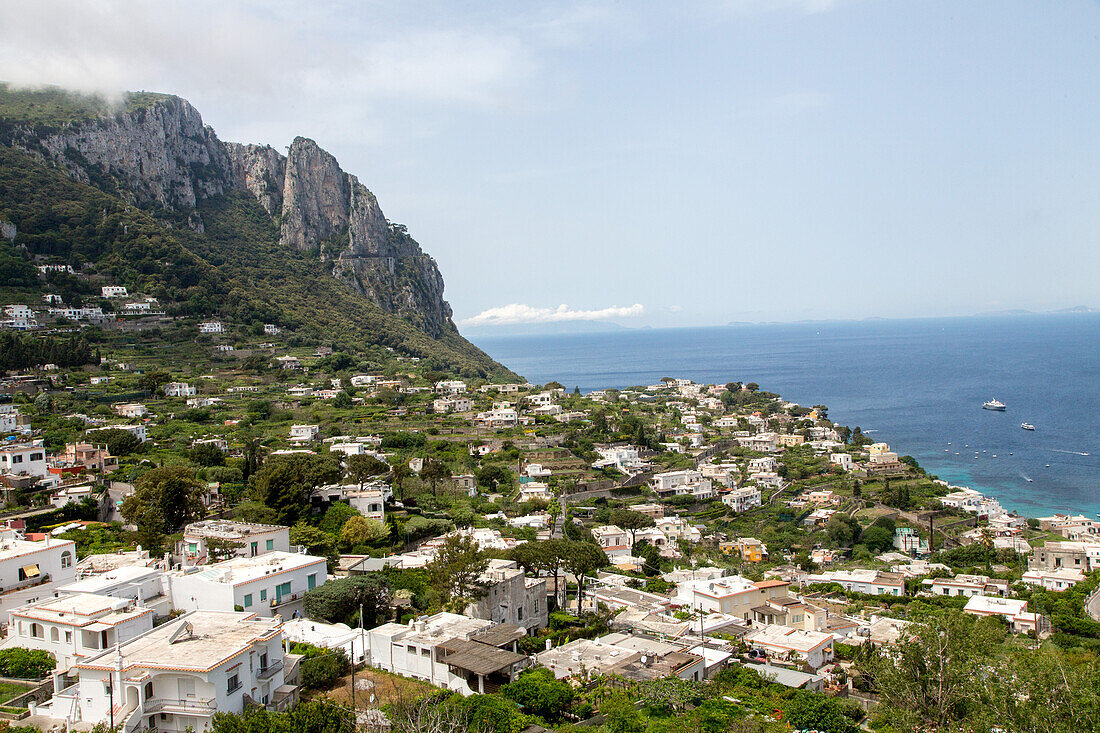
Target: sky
point(655, 163)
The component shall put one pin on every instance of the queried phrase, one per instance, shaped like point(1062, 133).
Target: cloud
point(521, 313)
point(343, 70)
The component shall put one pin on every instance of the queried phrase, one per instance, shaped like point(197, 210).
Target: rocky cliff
point(162, 155)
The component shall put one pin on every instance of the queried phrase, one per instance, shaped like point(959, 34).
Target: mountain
point(143, 194)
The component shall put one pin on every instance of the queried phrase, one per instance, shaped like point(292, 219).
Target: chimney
point(549, 644)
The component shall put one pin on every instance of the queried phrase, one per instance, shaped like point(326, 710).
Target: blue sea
point(915, 384)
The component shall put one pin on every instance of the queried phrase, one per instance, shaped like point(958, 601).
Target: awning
point(30, 570)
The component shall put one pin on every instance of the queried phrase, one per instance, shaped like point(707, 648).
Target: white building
point(268, 584)
point(24, 459)
point(664, 483)
point(815, 648)
point(304, 433)
point(31, 571)
point(131, 410)
point(113, 291)
point(450, 387)
point(452, 404)
point(371, 503)
point(179, 389)
point(1055, 580)
point(458, 653)
point(871, 582)
point(1013, 611)
point(74, 627)
point(735, 596)
point(614, 540)
point(512, 598)
point(178, 675)
point(145, 585)
point(844, 460)
point(625, 458)
point(211, 327)
point(251, 539)
point(742, 500)
point(271, 329)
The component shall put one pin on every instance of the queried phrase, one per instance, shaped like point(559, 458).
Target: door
point(186, 688)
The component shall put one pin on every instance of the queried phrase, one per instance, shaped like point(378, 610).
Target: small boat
point(994, 405)
point(1027, 426)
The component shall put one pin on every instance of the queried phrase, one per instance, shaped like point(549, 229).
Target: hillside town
point(182, 543)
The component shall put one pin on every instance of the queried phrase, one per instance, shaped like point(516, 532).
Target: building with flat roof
point(148, 586)
point(458, 653)
point(735, 595)
point(268, 584)
point(178, 675)
point(511, 597)
point(251, 539)
point(786, 644)
point(75, 627)
point(31, 571)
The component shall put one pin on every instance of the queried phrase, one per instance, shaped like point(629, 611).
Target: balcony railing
point(190, 705)
point(269, 670)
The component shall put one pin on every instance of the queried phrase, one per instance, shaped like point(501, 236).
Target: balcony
point(269, 670)
point(280, 600)
point(190, 706)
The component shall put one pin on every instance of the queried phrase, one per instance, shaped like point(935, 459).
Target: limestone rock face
point(162, 154)
point(260, 169)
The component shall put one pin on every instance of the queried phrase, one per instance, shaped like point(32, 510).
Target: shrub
point(26, 663)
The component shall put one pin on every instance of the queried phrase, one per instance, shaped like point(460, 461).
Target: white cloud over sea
point(515, 313)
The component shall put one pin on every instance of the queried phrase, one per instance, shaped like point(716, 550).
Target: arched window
point(54, 636)
point(66, 559)
point(36, 631)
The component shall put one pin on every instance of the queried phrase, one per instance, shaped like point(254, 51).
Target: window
point(37, 632)
point(255, 549)
point(68, 636)
point(311, 581)
point(36, 456)
point(263, 595)
point(233, 683)
point(54, 636)
point(284, 589)
point(270, 545)
point(66, 559)
point(17, 459)
point(247, 600)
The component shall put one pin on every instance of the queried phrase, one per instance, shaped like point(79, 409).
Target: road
point(1092, 605)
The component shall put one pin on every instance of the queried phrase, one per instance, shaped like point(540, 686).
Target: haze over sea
point(915, 384)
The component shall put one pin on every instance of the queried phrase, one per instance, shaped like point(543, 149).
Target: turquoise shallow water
point(918, 384)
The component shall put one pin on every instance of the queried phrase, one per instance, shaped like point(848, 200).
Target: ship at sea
point(1027, 426)
point(994, 405)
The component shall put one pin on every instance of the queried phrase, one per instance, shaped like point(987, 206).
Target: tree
point(814, 711)
point(336, 516)
point(308, 716)
point(285, 483)
point(207, 454)
point(164, 500)
point(119, 442)
point(27, 664)
point(152, 381)
point(843, 530)
point(219, 548)
point(456, 572)
point(620, 715)
point(581, 559)
point(360, 531)
point(540, 693)
point(339, 600)
point(342, 400)
point(493, 476)
point(932, 678)
point(631, 521)
point(317, 542)
point(434, 471)
point(878, 539)
point(546, 556)
point(255, 512)
point(364, 467)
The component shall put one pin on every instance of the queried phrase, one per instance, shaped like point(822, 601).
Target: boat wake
point(1071, 452)
point(1025, 477)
